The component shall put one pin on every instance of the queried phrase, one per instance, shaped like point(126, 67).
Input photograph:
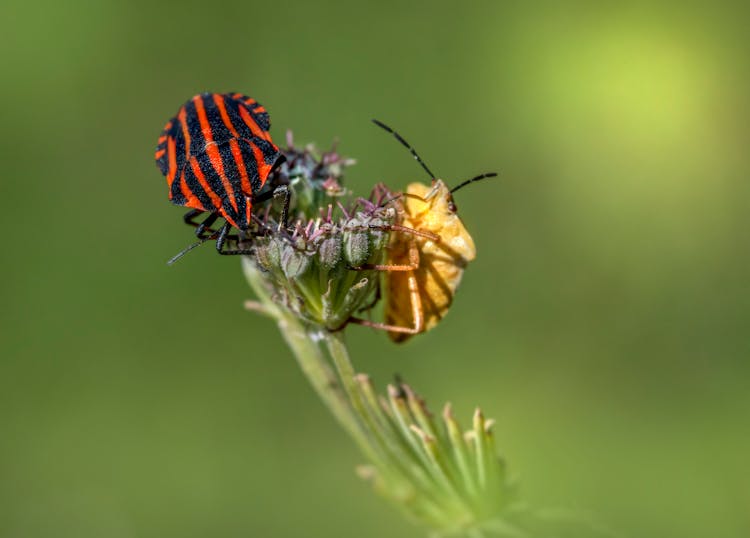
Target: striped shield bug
point(217, 154)
point(429, 250)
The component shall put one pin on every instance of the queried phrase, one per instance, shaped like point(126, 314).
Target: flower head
point(321, 268)
point(322, 271)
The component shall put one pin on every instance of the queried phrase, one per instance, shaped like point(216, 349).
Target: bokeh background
point(604, 323)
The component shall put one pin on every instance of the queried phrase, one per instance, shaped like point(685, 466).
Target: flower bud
point(313, 177)
point(295, 262)
point(268, 254)
point(356, 245)
point(330, 251)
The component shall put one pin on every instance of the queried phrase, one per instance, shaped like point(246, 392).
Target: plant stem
point(376, 445)
point(310, 359)
point(340, 356)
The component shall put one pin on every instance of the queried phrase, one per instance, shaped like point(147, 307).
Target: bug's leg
point(368, 307)
point(205, 226)
point(265, 229)
point(221, 241)
point(279, 192)
point(411, 231)
point(413, 264)
point(282, 191)
point(222, 238)
point(417, 314)
point(189, 217)
point(413, 251)
point(203, 229)
point(415, 300)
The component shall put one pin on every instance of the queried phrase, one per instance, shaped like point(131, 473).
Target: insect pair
point(217, 155)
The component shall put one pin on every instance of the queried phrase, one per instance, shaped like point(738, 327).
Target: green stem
point(340, 356)
point(321, 377)
point(310, 359)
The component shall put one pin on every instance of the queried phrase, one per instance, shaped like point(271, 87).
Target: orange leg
point(416, 312)
point(398, 228)
point(415, 300)
point(413, 264)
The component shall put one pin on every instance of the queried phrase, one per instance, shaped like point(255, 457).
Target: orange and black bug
point(217, 154)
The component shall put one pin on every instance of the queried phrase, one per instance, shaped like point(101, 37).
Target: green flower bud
point(356, 244)
point(268, 254)
point(294, 262)
point(314, 177)
point(379, 234)
point(330, 251)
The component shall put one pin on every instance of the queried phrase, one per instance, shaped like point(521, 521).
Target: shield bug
point(428, 253)
point(217, 154)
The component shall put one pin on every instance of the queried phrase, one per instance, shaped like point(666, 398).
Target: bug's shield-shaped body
point(216, 154)
point(441, 264)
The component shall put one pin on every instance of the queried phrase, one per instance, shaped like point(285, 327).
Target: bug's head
point(436, 196)
point(429, 202)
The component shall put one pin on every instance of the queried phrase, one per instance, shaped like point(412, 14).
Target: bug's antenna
point(406, 144)
point(186, 250)
point(472, 180)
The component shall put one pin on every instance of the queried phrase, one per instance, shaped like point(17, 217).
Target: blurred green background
point(604, 323)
